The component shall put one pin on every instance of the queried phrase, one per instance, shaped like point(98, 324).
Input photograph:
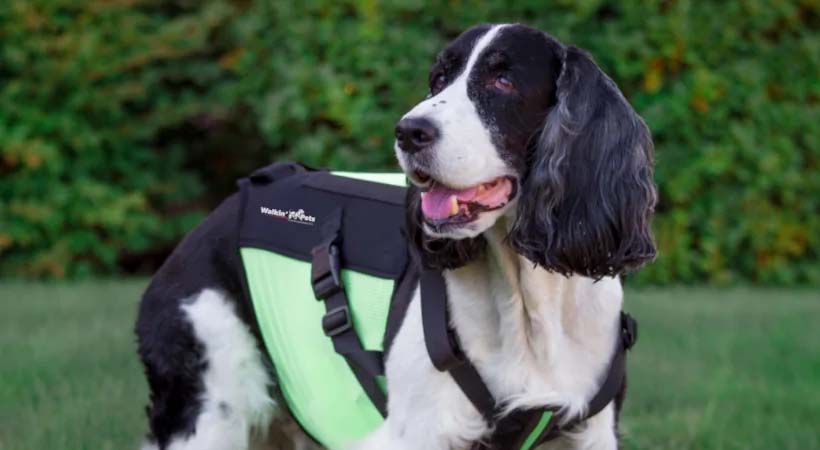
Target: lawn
point(713, 369)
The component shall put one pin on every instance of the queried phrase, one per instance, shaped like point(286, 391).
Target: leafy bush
point(124, 121)
point(85, 90)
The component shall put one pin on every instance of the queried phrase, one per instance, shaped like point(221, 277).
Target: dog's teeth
point(453, 205)
point(423, 194)
point(480, 189)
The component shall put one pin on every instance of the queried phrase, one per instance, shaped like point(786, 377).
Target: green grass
point(724, 369)
point(713, 369)
point(69, 375)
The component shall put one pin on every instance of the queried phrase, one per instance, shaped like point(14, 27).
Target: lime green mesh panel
point(318, 386)
point(396, 179)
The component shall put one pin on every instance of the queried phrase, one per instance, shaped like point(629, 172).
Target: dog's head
point(518, 125)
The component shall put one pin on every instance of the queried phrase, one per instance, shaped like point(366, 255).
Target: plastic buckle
point(629, 330)
point(336, 321)
point(329, 283)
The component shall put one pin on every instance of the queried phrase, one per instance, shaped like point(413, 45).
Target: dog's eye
point(503, 83)
point(437, 83)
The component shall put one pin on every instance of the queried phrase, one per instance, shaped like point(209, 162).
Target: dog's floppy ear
point(588, 197)
point(437, 253)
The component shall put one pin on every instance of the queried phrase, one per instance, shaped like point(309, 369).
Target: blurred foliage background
point(122, 122)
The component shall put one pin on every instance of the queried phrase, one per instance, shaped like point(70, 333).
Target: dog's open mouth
point(442, 205)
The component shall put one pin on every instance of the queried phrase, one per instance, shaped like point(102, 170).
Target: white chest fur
point(536, 337)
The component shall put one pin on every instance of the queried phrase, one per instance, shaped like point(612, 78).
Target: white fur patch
point(464, 155)
point(236, 402)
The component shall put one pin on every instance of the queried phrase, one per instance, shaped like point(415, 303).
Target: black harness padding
point(371, 239)
point(512, 430)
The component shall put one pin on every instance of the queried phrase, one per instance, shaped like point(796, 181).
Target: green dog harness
point(329, 273)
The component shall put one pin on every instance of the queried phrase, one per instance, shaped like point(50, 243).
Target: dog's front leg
point(426, 409)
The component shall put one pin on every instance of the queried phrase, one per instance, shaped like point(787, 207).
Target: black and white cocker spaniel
point(532, 189)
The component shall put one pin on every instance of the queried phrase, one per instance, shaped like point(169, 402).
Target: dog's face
point(466, 143)
point(518, 124)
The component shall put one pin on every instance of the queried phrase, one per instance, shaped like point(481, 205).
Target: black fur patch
point(531, 61)
point(451, 61)
point(588, 195)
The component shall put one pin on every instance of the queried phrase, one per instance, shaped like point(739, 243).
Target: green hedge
point(122, 122)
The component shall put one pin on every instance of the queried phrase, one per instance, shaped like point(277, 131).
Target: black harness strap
point(338, 322)
point(521, 429)
point(402, 297)
point(608, 390)
point(444, 349)
point(617, 367)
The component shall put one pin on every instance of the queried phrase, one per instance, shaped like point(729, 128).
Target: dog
point(531, 188)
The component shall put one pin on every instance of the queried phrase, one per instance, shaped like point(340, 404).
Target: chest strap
point(443, 346)
point(337, 323)
point(522, 429)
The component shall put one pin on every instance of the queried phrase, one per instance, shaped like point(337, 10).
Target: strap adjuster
point(328, 282)
point(629, 330)
point(336, 321)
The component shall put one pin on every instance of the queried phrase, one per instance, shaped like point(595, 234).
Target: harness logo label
point(295, 216)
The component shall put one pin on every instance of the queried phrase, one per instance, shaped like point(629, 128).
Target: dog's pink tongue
point(441, 202)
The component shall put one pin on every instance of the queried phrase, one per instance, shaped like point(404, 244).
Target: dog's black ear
point(437, 253)
point(588, 196)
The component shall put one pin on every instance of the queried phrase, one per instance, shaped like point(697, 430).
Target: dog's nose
point(414, 134)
